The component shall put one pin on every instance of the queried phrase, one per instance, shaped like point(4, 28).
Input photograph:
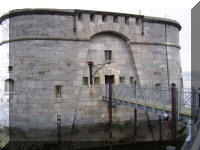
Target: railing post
point(136, 96)
point(199, 97)
point(174, 116)
point(110, 115)
point(162, 99)
point(145, 96)
point(59, 131)
point(135, 124)
point(135, 91)
point(107, 92)
point(153, 100)
point(193, 121)
point(179, 93)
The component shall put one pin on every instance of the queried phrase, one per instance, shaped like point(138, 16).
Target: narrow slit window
point(115, 19)
point(158, 86)
point(96, 80)
point(137, 21)
point(182, 83)
point(10, 68)
point(131, 80)
point(85, 81)
point(121, 80)
point(58, 90)
point(104, 18)
point(79, 17)
point(9, 85)
point(108, 54)
point(127, 20)
point(92, 17)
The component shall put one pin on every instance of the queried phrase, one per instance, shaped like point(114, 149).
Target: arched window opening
point(9, 85)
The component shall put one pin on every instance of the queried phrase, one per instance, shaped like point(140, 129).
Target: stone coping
point(74, 12)
point(77, 39)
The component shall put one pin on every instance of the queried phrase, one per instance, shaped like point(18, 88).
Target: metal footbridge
point(151, 99)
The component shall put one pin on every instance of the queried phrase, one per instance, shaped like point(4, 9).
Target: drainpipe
point(167, 55)
point(90, 64)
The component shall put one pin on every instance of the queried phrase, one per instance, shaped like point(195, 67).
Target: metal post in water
point(135, 124)
point(160, 128)
point(145, 94)
point(59, 131)
point(174, 116)
point(153, 104)
point(136, 96)
point(110, 115)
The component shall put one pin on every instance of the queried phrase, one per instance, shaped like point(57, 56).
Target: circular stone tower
point(44, 55)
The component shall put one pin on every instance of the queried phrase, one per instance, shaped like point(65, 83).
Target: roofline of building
point(72, 12)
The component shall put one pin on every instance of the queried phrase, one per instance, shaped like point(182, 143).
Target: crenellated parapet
point(83, 24)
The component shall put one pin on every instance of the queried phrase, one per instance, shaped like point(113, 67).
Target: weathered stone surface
point(45, 51)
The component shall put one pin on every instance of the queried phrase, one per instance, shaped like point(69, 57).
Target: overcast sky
point(179, 10)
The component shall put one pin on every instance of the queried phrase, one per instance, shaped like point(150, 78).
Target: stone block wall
point(47, 48)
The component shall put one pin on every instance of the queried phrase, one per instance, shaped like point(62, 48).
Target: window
point(115, 19)
point(9, 85)
point(104, 18)
point(96, 80)
point(135, 83)
point(10, 68)
point(157, 73)
point(58, 90)
point(131, 80)
point(181, 82)
point(158, 86)
point(85, 80)
point(121, 80)
point(108, 54)
point(137, 21)
point(109, 79)
point(127, 20)
point(80, 17)
point(92, 17)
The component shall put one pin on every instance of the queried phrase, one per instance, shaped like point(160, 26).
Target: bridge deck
point(151, 106)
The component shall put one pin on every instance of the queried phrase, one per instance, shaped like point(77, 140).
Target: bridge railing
point(147, 95)
point(192, 100)
point(187, 103)
point(152, 97)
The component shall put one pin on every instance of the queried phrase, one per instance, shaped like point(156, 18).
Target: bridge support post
point(160, 128)
point(136, 96)
point(110, 115)
point(145, 96)
point(174, 116)
point(135, 124)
